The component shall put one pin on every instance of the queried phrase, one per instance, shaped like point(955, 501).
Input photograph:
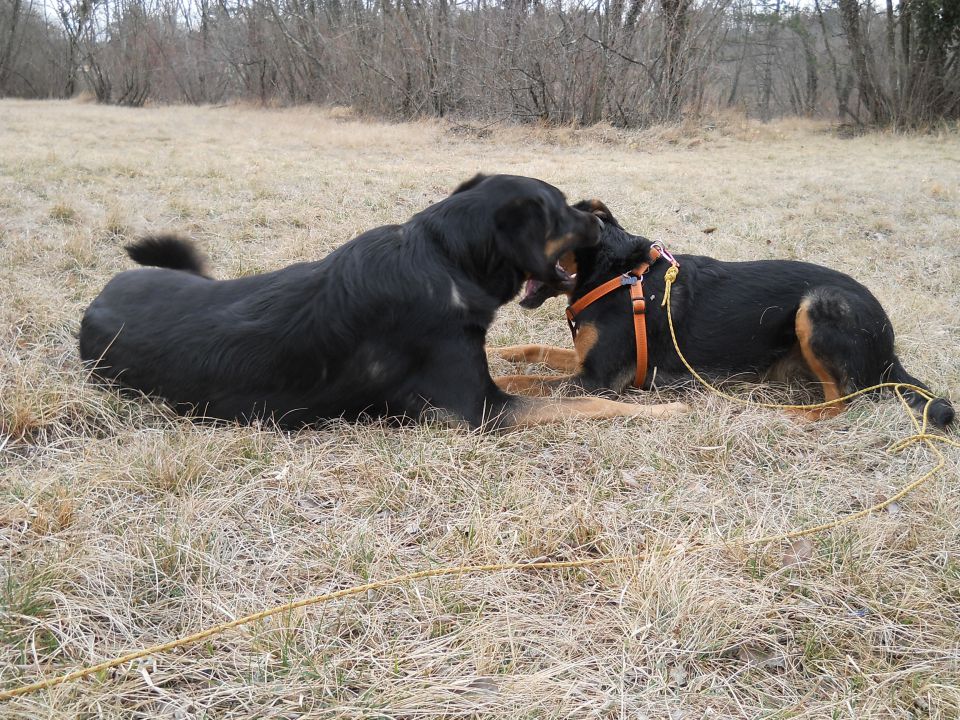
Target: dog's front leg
point(527, 412)
point(534, 385)
point(561, 359)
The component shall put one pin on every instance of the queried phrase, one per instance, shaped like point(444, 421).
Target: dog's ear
point(599, 209)
point(638, 251)
point(471, 183)
point(521, 234)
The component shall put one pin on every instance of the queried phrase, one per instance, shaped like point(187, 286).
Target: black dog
point(391, 324)
point(747, 320)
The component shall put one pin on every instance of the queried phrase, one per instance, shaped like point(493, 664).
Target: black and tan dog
point(391, 324)
point(776, 319)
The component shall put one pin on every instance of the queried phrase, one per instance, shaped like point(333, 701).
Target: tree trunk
point(871, 95)
point(892, 54)
point(6, 54)
point(676, 20)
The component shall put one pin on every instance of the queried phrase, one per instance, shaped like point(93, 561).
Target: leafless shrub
point(906, 64)
point(625, 62)
point(31, 51)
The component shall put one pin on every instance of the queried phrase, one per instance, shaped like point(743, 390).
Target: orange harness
point(633, 279)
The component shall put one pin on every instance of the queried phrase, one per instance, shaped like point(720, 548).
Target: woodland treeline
point(627, 62)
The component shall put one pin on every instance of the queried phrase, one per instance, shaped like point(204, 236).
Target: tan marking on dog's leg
point(556, 358)
point(831, 387)
point(540, 411)
point(530, 385)
point(562, 359)
point(585, 341)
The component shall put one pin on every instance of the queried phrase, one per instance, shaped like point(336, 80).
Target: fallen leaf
point(486, 684)
point(318, 503)
point(799, 552)
point(762, 657)
point(477, 687)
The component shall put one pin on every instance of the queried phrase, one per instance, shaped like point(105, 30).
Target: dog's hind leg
point(561, 359)
point(815, 344)
point(847, 341)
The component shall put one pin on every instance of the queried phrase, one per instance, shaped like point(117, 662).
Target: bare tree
point(627, 62)
point(921, 82)
point(76, 16)
point(800, 24)
point(10, 39)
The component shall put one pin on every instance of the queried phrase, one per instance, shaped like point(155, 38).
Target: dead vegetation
point(121, 526)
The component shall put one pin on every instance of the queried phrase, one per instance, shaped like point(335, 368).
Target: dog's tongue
point(530, 289)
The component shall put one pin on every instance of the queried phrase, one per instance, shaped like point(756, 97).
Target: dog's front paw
point(668, 410)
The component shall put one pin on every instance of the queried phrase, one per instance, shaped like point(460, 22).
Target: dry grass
point(121, 526)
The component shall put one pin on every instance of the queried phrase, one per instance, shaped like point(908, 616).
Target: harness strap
point(634, 279)
point(639, 329)
point(598, 292)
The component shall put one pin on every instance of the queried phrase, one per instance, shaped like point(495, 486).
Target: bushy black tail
point(168, 251)
point(941, 412)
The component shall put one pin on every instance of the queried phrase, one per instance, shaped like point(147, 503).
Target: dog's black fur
point(390, 324)
point(732, 319)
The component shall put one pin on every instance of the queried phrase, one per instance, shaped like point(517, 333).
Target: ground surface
point(121, 526)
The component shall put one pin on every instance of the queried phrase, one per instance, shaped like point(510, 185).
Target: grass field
point(122, 526)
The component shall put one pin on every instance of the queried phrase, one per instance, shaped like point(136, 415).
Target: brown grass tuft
point(63, 213)
point(122, 526)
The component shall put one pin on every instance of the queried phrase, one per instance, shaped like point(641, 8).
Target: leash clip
point(659, 246)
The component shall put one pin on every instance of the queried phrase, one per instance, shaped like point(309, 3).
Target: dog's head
point(590, 265)
point(534, 226)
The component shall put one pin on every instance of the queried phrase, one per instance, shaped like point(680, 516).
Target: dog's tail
point(168, 251)
point(941, 412)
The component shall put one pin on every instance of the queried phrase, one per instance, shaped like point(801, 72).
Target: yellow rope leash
point(921, 435)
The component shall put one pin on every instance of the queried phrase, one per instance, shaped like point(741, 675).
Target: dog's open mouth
point(536, 292)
